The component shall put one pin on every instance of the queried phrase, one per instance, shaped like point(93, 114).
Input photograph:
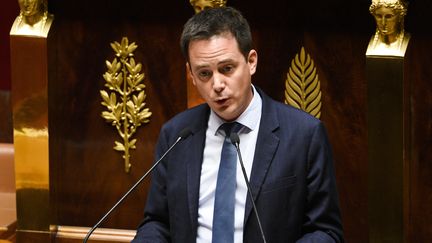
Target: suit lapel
point(193, 170)
point(267, 143)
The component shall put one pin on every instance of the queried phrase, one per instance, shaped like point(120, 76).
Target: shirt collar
point(249, 118)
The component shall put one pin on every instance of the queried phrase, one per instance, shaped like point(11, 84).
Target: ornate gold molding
point(302, 86)
point(126, 111)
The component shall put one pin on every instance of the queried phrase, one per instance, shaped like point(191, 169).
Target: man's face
point(29, 7)
point(386, 20)
point(221, 74)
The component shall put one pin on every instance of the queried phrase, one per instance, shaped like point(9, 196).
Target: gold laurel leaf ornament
point(302, 86)
point(124, 97)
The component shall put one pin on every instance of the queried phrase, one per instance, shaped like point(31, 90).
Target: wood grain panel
point(88, 175)
point(419, 74)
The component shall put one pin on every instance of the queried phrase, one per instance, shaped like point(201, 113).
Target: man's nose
point(218, 82)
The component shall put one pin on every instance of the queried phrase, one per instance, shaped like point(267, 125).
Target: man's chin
point(227, 115)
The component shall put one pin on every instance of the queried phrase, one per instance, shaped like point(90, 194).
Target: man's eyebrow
point(229, 60)
point(201, 66)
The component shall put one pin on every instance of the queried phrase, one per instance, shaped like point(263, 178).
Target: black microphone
point(182, 135)
point(235, 140)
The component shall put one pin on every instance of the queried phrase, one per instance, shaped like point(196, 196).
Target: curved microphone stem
point(183, 134)
point(235, 140)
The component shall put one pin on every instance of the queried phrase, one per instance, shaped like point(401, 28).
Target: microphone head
point(234, 138)
point(185, 133)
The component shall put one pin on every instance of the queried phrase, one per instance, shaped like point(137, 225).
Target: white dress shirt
point(250, 118)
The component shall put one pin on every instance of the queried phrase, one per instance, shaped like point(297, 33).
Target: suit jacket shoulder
point(194, 118)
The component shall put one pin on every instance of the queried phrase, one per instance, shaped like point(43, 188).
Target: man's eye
point(204, 74)
point(227, 69)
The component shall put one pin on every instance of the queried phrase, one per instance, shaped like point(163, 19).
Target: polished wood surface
point(70, 234)
point(7, 191)
point(419, 220)
point(33, 237)
point(29, 99)
point(87, 176)
point(386, 148)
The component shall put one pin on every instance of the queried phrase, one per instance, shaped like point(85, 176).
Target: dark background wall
point(87, 174)
point(8, 12)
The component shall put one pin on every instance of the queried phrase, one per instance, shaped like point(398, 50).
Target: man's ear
point(252, 61)
point(189, 73)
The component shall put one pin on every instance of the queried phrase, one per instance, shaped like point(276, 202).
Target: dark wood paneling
point(8, 12)
point(419, 75)
point(6, 134)
point(340, 62)
point(87, 175)
point(339, 59)
point(33, 236)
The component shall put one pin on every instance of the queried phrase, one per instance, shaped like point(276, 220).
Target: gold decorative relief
point(200, 5)
point(302, 86)
point(125, 97)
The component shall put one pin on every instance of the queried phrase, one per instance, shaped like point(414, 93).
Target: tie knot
point(230, 127)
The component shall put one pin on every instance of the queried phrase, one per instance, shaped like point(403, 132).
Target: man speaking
point(199, 192)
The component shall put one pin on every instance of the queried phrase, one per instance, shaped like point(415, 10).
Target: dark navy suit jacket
point(292, 180)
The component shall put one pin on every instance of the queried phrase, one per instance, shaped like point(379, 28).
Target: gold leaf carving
point(125, 97)
point(302, 86)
